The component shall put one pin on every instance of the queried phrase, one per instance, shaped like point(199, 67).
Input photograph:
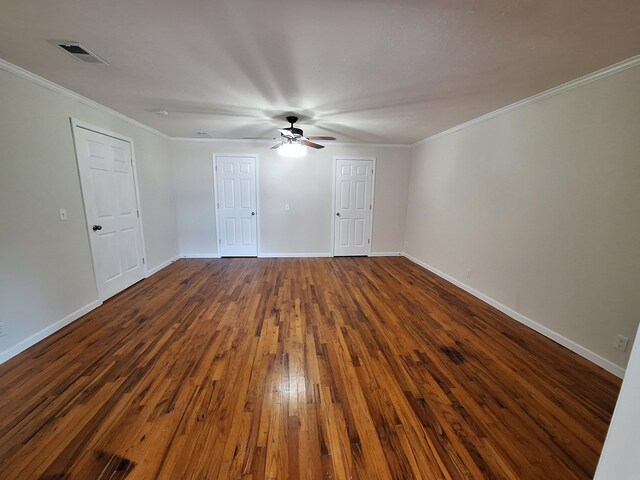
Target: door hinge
point(219, 242)
point(138, 212)
point(372, 171)
point(218, 204)
point(368, 240)
point(143, 260)
point(370, 207)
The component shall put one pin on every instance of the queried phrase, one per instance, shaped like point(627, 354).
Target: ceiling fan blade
point(320, 137)
point(277, 145)
point(259, 138)
point(311, 144)
point(286, 132)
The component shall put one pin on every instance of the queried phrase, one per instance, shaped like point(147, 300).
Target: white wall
point(46, 272)
point(303, 183)
point(542, 203)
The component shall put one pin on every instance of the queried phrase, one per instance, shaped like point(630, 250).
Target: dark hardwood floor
point(345, 368)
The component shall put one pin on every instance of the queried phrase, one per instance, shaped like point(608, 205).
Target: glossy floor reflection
point(369, 368)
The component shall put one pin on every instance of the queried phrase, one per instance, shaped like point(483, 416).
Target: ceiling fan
point(293, 142)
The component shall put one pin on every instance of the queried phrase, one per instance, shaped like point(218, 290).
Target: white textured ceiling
point(370, 71)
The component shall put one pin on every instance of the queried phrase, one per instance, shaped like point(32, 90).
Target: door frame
point(75, 124)
point(333, 199)
point(215, 197)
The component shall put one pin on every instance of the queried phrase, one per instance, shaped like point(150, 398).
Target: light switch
point(63, 214)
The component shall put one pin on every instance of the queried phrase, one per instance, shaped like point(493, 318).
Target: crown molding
point(333, 143)
point(374, 145)
point(605, 72)
point(215, 140)
point(578, 82)
point(54, 87)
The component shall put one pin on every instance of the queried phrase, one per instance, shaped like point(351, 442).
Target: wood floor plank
point(328, 368)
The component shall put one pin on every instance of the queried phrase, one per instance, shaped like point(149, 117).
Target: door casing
point(215, 196)
point(333, 199)
point(75, 124)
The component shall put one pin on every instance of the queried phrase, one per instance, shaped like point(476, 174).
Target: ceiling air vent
point(79, 52)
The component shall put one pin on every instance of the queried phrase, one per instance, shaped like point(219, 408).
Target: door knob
point(337, 214)
point(97, 227)
point(253, 213)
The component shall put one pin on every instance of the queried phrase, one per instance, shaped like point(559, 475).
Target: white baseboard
point(385, 254)
point(547, 332)
point(44, 333)
point(199, 255)
point(294, 255)
point(161, 266)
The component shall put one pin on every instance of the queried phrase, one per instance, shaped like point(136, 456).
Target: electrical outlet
point(621, 343)
point(468, 273)
point(286, 206)
point(63, 214)
point(2, 329)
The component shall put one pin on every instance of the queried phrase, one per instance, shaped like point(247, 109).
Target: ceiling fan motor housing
point(292, 136)
point(295, 131)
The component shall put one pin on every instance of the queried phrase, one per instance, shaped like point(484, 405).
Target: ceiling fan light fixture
point(293, 143)
point(292, 149)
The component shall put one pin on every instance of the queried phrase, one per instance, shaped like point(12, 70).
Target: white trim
point(260, 140)
point(373, 202)
point(103, 131)
point(295, 255)
point(215, 195)
point(547, 332)
point(385, 254)
point(578, 82)
point(161, 266)
point(599, 74)
point(258, 212)
point(199, 255)
point(75, 124)
point(373, 160)
point(48, 84)
point(333, 207)
point(136, 185)
point(215, 140)
point(45, 332)
point(372, 145)
point(215, 203)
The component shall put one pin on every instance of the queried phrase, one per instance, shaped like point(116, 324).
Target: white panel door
point(236, 202)
point(111, 209)
point(354, 182)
